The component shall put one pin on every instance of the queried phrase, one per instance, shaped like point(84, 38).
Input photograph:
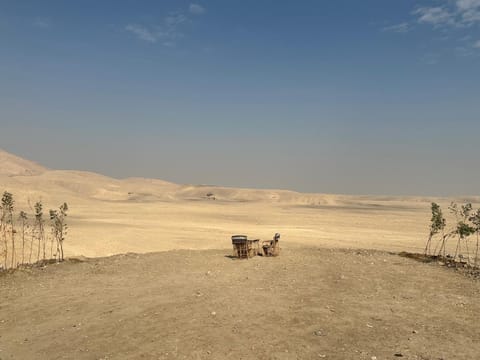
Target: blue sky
point(366, 97)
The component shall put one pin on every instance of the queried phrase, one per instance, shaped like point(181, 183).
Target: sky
point(352, 97)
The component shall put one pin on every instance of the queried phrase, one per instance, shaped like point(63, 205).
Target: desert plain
point(149, 274)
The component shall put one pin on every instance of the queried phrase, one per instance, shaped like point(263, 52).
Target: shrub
point(34, 230)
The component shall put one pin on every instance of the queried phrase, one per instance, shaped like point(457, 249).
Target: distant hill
point(29, 180)
point(12, 165)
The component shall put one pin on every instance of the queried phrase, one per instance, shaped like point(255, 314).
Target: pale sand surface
point(110, 216)
point(313, 301)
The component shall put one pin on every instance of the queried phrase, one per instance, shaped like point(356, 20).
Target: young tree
point(23, 218)
point(438, 224)
point(55, 233)
point(7, 225)
point(463, 229)
point(3, 231)
point(39, 226)
point(475, 220)
point(59, 227)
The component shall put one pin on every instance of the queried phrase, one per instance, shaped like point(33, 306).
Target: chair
point(271, 247)
point(240, 246)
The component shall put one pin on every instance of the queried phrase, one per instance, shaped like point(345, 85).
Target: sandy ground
point(305, 304)
point(127, 227)
point(320, 299)
point(168, 217)
point(110, 216)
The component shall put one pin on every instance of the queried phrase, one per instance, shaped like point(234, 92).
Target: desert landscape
point(149, 273)
point(110, 216)
point(240, 180)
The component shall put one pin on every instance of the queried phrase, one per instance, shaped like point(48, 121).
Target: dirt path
point(305, 304)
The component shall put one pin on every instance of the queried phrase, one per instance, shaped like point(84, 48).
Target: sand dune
point(110, 216)
point(12, 165)
point(311, 302)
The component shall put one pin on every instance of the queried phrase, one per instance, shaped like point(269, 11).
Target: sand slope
point(312, 302)
point(11, 165)
point(110, 216)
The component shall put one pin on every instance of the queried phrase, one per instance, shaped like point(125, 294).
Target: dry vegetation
point(24, 239)
point(464, 233)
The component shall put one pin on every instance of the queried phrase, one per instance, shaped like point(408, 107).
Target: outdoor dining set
point(245, 248)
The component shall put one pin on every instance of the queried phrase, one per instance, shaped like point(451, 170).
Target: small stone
point(398, 354)
point(319, 333)
point(214, 313)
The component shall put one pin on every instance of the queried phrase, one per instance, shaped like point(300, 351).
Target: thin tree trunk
point(39, 245)
point(468, 251)
point(58, 248)
point(44, 244)
point(439, 243)
point(6, 246)
point(13, 247)
point(443, 245)
point(445, 239)
point(31, 247)
point(427, 245)
point(457, 249)
point(52, 239)
point(60, 240)
point(23, 243)
point(476, 252)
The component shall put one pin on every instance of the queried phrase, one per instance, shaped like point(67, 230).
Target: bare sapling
point(3, 231)
point(475, 220)
point(53, 255)
point(39, 227)
point(54, 232)
point(8, 226)
point(23, 218)
point(33, 238)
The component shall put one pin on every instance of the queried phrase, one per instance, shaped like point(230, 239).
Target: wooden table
point(246, 248)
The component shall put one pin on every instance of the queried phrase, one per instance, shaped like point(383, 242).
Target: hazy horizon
point(346, 97)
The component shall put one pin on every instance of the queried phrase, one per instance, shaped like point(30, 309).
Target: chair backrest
point(239, 239)
point(275, 241)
